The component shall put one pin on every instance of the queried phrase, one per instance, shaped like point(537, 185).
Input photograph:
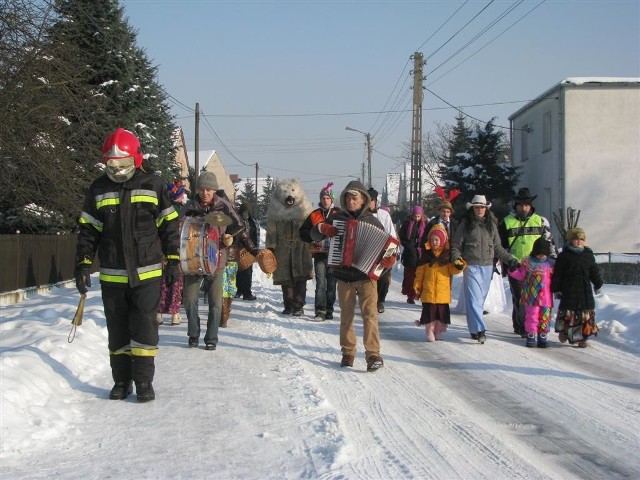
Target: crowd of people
point(138, 226)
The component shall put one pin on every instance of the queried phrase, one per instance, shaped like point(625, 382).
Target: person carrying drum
point(218, 215)
point(129, 220)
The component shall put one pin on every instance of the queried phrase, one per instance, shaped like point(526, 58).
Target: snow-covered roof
point(577, 82)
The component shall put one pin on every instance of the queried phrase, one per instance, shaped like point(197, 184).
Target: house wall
point(540, 165)
point(593, 163)
point(602, 164)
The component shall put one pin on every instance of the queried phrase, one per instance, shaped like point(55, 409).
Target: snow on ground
point(273, 403)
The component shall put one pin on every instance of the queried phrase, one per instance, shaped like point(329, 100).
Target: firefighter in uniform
point(129, 219)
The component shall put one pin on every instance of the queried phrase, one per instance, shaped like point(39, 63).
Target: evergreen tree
point(39, 95)
point(248, 195)
point(121, 76)
point(265, 199)
point(482, 168)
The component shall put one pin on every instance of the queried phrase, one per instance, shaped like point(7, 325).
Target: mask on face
point(120, 170)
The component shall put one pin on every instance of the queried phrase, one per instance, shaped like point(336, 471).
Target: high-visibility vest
point(522, 233)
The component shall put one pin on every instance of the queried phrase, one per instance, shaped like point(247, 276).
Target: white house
point(212, 163)
point(578, 146)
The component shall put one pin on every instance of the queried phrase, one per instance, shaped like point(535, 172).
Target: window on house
point(524, 141)
point(546, 131)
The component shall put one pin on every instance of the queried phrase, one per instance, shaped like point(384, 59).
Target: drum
point(199, 247)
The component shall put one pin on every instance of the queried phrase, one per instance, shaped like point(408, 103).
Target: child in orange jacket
point(433, 283)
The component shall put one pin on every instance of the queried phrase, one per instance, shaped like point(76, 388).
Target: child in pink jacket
point(535, 273)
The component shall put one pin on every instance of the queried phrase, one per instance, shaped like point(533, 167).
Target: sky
point(277, 81)
point(273, 403)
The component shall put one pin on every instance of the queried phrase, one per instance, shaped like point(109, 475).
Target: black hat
point(541, 247)
point(373, 193)
point(524, 196)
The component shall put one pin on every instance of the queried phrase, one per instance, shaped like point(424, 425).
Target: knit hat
point(373, 193)
point(541, 247)
point(445, 204)
point(327, 191)
point(175, 191)
point(207, 180)
point(575, 233)
point(440, 232)
point(478, 201)
point(417, 210)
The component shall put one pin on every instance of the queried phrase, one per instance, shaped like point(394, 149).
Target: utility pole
point(367, 136)
point(415, 192)
point(256, 183)
point(197, 140)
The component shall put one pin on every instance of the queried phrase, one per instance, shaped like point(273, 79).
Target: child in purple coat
point(535, 273)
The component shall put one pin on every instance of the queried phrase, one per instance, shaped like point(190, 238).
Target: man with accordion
point(360, 250)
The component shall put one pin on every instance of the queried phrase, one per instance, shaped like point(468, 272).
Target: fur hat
point(575, 233)
point(207, 180)
point(373, 194)
point(327, 191)
point(541, 247)
point(440, 232)
point(417, 210)
point(524, 196)
point(478, 201)
point(445, 204)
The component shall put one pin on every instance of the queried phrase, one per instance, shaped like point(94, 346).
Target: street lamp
point(368, 137)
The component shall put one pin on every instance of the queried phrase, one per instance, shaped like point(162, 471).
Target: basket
point(267, 261)
point(245, 259)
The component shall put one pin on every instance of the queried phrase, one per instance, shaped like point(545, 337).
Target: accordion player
point(360, 245)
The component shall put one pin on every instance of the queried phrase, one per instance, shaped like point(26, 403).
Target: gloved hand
point(83, 276)
point(557, 295)
point(513, 265)
point(388, 262)
point(227, 239)
point(172, 273)
point(327, 229)
point(458, 263)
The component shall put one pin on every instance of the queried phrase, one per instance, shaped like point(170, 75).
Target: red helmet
point(122, 144)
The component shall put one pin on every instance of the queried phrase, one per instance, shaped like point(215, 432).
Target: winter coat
point(573, 275)
point(412, 236)
point(350, 274)
point(535, 276)
point(309, 232)
point(480, 244)
point(134, 225)
point(433, 278)
point(292, 254)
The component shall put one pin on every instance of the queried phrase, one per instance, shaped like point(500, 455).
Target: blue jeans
point(325, 286)
point(476, 281)
point(190, 293)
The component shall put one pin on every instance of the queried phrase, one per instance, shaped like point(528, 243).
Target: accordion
point(360, 245)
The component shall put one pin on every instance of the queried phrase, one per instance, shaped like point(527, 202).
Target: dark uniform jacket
point(132, 225)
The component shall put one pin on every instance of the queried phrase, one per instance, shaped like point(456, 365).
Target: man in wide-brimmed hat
point(518, 231)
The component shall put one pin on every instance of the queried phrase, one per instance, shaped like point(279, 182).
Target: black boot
point(121, 390)
point(145, 392)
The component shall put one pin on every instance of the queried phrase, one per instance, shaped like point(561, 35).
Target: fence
point(619, 268)
point(35, 260)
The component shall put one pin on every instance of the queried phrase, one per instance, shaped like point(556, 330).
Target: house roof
point(578, 82)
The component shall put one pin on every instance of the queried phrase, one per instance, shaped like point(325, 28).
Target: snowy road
point(273, 403)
